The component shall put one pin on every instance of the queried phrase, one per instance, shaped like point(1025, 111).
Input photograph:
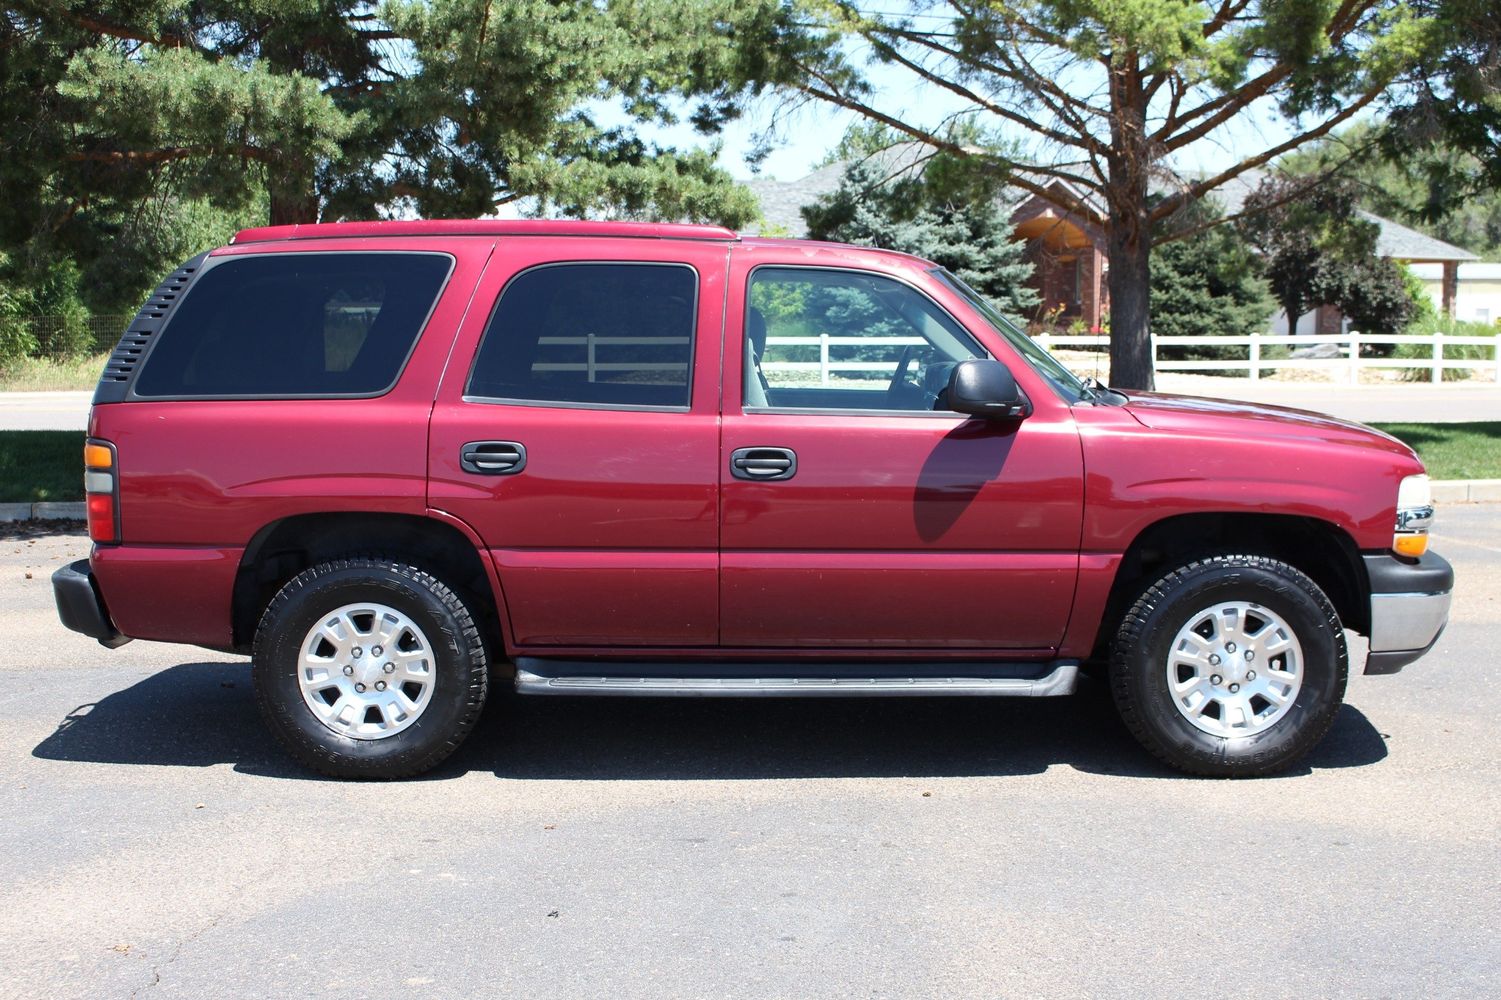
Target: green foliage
point(942, 210)
point(1318, 250)
point(1452, 106)
point(1425, 315)
point(1208, 286)
point(1439, 189)
point(1449, 327)
point(46, 290)
point(135, 133)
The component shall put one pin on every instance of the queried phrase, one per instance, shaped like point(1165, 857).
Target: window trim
point(479, 346)
point(806, 411)
point(212, 263)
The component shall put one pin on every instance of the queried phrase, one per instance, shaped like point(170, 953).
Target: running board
point(1061, 680)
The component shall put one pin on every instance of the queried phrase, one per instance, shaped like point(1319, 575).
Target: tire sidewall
point(278, 648)
point(1307, 612)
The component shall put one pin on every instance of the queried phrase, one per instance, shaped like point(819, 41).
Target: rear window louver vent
point(120, 369)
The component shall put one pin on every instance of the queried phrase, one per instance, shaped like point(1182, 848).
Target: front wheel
point(1231, 666)
point(369, 668)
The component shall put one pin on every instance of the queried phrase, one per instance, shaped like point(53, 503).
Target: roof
point(1393, 240)
point(782, 202)
point(484, 227)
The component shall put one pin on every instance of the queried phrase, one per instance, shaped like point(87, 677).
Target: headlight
point(1414, 516)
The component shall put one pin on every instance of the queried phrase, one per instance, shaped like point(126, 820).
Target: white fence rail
point(1349, 364)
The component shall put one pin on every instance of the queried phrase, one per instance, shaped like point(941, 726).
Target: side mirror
point(982, 387)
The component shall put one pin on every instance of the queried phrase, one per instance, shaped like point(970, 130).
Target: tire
point(319, 641)
point(1180, 637)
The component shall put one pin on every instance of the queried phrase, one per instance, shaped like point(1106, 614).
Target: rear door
point(858, 512)
point(576, 431)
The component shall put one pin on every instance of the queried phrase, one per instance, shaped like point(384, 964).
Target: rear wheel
point(369, 668)
point(1231, 666)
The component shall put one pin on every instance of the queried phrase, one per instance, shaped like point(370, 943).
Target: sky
point(807, 134)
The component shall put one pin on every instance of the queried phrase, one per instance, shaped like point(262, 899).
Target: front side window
point(300, 324)
point(1064, 382)
point(591, 334)
point(846, 340)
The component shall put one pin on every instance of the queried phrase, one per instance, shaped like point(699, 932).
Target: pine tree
point(954, 224)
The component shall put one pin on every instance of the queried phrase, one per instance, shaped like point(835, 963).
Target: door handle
point(493, 458)
point(764, 464)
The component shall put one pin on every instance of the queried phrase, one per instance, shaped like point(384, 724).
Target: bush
point(1207, 286)
point(1449, 327)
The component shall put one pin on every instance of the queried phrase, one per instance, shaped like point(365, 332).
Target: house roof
point(782, 201)
point(1393, 239)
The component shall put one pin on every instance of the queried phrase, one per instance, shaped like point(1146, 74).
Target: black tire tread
point(315, 757)
point(1131, 635)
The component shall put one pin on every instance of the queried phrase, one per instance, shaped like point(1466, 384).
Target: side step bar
point(1061, 680)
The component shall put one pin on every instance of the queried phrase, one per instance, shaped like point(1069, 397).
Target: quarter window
point(846, 340)
point(592, 334)
point(302, 324)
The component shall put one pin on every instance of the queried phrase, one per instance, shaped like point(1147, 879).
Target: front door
point(577, 432)
point(857, 512)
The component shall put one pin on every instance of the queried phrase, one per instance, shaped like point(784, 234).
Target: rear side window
point(591, 334)
point(313, 324)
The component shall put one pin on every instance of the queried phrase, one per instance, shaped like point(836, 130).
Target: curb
point(47, 510)
point(1466, 490)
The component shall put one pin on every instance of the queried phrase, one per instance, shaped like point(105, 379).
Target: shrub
point(1449, 327)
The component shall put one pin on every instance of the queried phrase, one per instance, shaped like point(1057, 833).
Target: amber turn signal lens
point(97, 456)
point(1410, 545)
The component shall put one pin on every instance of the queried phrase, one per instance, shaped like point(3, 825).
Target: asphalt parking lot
point(156, 843)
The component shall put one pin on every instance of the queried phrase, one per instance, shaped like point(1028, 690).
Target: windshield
point(1064, 382)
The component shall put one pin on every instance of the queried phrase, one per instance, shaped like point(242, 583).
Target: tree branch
point(1170, 205)
point(1071, 205)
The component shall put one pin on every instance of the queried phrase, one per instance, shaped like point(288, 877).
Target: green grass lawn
point(48, 465)
point(1454, 451)
point(41, 465)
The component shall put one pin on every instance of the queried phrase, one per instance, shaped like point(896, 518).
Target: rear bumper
point(80, 606)
point(1409, 608)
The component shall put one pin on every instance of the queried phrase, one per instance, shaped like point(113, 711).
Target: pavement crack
point(157, 970)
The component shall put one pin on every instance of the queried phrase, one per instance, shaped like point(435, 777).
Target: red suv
point(400, 462)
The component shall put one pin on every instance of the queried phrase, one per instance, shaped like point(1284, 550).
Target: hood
point(1197, 415)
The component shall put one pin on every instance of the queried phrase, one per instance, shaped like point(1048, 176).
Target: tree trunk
point(1128, 236)
point(1131, 361)
point(289, 207)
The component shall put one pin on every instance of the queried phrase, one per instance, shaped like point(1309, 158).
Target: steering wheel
point(911, 353)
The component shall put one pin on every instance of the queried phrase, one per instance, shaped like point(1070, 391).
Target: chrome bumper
point(1409, 608)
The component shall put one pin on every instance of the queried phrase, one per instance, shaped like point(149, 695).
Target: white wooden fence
point(1348, 365)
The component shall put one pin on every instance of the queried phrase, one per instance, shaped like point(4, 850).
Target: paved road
point(1422, 403)
point(44, 411)
point(156, 844)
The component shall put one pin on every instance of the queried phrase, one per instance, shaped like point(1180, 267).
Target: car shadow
point(201, 715)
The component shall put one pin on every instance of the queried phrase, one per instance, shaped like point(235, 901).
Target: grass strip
point(1454, 451)
point(41, 465)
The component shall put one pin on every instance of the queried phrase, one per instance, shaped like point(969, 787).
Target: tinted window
point(608, 334)
point(317, 324)
point(845, 340)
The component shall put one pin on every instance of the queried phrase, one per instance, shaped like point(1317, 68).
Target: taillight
point(101, 486)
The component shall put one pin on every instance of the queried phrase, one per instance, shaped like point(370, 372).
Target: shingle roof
point(1394, 239)
point(781, 202)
